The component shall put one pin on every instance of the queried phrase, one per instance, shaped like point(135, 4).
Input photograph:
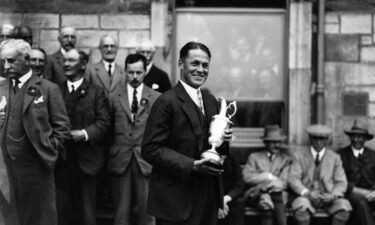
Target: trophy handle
point(234, 105)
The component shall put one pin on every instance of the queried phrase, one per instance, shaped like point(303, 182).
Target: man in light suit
point(106, 73)
point(267, 173)
point(318, 180)
point(130, 106)
point(33, 131)
point(87, 108)
point(184, 189)
point(155, 78)
point(54, 71)
point(359, 164)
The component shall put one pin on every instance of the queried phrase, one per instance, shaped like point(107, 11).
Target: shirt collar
point(148, 68)
point(106, 65)
point(63, 52)
point(357, 152)
point(24, 78)
point(314, 152)
point(76, 84)
point(139, 89)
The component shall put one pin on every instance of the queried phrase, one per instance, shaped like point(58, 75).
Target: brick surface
point(90, 38)
point(80, 21)
point(356, 74)
point(130, 38)
point(368, 54)
point(49, 35)
point(41, 20)
point(125, 21)
point(11, 18)
point(356, 23)
point(342, 48)
point(366, 40)
point(331, 28)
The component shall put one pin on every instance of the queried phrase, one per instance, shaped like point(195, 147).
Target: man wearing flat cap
point(318, 180)
point(359, 166)
point(267, 173)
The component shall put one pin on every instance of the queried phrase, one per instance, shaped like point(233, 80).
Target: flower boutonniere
point(144, 102)
point(34, 91)
point(83, 92)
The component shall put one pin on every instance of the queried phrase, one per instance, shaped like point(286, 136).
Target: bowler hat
point(360, 127)
point(319, 130)
point(272, 133)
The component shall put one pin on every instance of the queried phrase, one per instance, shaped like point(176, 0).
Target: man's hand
point(228, 135)
point(328, 198)
point(77, 135)
point(315, 198)
point(2, 118)
point(203, 166)
point(371, 197)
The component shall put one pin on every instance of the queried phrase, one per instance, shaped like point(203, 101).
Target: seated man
point(359, 166)
point(318, 179)
point(267, 174)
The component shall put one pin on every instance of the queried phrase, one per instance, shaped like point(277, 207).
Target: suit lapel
point(102, 75)
point(33, 82)
point(145, 95)
point(116, 77)
point(124, 101)
point(189, 108)
point(60, 58)
point(210, 107)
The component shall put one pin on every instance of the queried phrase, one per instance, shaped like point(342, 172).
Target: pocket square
point(39, 100)
point(155, 86)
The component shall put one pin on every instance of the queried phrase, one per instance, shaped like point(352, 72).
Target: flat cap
point(319, 130)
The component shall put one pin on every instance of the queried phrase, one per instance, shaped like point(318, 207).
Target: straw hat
point(319, 130)
point(273, 133)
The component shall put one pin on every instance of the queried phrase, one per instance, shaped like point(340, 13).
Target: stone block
point(356, 73)
point(368, 54)
point(121, 56)
point(80, 21)
point(125, 22)
point(356, 23)
point(49, 35)
point(41, 20)
point(342, 48)
point(159, 14)
point(50, 46)
point(371, 110)
point(366, 40)
point(90, 38)
point(14, 19)
point(330, 28)
point(331, 18)
point(130, 38)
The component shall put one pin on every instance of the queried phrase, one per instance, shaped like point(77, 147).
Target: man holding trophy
point(186, 180)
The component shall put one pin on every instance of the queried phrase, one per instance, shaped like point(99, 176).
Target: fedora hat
point(272, 133)
point(319, 130)
point(360, 127)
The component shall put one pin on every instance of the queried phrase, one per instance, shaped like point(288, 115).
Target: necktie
point(200, 100)
point(134, 108)
point(15, 85)
point(110, 70)
point(317, 161)
point(72, 89)
point(270, 156)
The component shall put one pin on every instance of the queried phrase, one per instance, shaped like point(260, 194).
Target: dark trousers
point(32, 188)
point(129, 191)
point(362, 210)
point(236, 214)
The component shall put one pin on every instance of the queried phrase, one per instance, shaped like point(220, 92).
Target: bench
point(249, 211)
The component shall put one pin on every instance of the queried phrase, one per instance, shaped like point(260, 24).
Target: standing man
point(67, 39)
point(130, 105)
point(106, 73)
point(155, 78)
point(318, 180)
point(87, 108)
point(23, 32)
point(33, 132)
point(359, 165)
point(184, 189)
point(38, 61)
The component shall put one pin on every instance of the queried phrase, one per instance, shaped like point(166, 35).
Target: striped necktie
point(200, 100)
point(134, 108)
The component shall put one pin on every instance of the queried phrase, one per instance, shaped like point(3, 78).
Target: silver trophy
point(219, 124)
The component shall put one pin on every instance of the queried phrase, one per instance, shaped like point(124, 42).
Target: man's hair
point(101, 40)
point(19, 45)
point(133, 58)
point(63, 28)
point(83, 57)
point(145, 42)
point(22, 32)
point(41, 50)
point(184, 52)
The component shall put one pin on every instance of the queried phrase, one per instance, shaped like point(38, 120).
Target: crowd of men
point(69, 130)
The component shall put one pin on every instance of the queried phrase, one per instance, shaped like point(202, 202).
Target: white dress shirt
point(192, 92)
point(106, 66)
point(357, 152)
point(24, 79)
point(130, 94)
point(314, 153)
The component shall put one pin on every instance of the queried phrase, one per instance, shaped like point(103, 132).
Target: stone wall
point(349, 66)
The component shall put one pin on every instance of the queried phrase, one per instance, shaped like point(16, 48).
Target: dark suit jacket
point(127, 136)
point(353, 170)
point(173, 139)
point(46, 123)
point(54, 69)
point(157, 79)
point(97, 74)
point(233, 180)
point(91, 114)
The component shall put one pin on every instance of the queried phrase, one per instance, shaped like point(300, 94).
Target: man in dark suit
point(184, 189)
point(87, 108)
point(155, 78)
point(106, 73)
point(359, 166)
point(54, 71)
point(33, 129)
point(130, 105)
